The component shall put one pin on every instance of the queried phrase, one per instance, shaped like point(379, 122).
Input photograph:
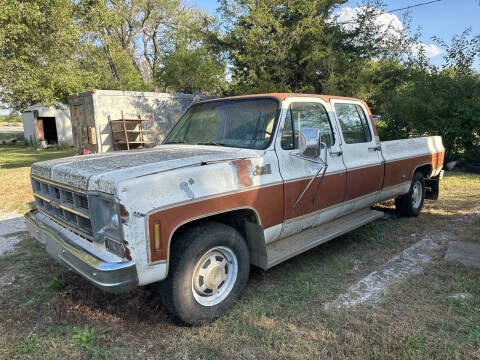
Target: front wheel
point(208, 271)
point(411, 203)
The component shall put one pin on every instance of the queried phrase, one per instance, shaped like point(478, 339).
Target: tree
point(295, 45)
point(440, 101)
point(187, 63)
point(52, 48)
point(38, 52)
point(130, 29)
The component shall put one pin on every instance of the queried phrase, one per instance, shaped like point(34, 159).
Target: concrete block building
point(91, 111)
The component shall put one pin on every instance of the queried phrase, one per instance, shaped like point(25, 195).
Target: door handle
point(375, 148)
point(337, 153)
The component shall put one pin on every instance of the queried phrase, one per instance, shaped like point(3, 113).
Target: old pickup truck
point(240, 181)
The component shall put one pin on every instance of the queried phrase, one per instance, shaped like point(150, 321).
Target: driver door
point(314, 208)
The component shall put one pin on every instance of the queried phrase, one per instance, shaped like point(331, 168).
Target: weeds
point(46, 292)
point(28, 345)
point(474, 336)
point(87, 337)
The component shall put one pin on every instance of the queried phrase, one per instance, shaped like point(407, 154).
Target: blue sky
point(443, 19)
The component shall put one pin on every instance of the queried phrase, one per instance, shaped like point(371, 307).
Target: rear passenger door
point(361, 154)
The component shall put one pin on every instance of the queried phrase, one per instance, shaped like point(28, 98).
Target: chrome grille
point(68, 207)
point(83, 202)
point(68, 197)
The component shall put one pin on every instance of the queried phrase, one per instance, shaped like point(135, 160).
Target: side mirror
point(310, 146)
point(309, 143)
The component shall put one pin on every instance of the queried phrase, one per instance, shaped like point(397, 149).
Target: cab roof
point(282, 96)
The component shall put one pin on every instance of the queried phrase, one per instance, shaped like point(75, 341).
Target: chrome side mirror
point(309, 142)
point(310, 146)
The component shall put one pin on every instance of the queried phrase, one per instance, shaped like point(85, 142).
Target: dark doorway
point(49, 129)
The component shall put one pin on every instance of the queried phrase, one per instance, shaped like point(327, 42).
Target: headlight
point(105, 219)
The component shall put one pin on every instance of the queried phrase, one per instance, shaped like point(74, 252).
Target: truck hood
point(101, 172)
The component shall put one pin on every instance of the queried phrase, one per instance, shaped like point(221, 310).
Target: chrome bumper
point(110, 276)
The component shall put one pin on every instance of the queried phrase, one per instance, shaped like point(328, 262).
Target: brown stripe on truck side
point(363, 181)
point(331, 192)
point(398, 171)
point(266, 201)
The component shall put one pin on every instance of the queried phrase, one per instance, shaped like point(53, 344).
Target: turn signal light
point(156, 237)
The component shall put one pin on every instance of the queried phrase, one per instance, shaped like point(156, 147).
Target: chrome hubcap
point(417, 194)
point(214, 276)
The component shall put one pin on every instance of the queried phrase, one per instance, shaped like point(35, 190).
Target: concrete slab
point(467, 254)
point(371, 288)
point(10, 225)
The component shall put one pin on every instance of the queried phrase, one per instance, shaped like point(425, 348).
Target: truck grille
point(63, 205)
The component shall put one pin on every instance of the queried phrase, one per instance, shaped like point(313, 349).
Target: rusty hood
point(100, 172)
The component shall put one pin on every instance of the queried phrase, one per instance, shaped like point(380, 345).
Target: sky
point(443, 19)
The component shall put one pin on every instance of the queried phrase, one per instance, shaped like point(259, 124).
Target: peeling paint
point(243, 171)
point(101, 172)
point(188, 192)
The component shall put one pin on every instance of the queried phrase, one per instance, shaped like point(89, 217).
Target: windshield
point(236, 123)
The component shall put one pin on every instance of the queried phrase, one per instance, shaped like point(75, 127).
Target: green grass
point(15, 161)
point(16, 156)
point(46, 292)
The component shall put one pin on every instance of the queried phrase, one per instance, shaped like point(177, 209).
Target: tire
point(411, 203)
point(208, 270)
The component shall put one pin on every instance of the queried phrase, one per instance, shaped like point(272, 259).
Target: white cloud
point(430, 51)
point(387, 23)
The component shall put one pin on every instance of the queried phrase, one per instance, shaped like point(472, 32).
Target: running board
point(291, 246)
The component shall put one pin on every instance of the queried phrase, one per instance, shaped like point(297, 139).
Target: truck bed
point(402, 157)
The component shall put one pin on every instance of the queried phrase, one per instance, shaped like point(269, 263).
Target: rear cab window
point(353, 122)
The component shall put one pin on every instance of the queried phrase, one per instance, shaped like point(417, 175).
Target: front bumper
point(67, 250)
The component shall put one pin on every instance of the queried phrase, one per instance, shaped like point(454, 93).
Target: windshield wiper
point(211, 143)
point(174, 142)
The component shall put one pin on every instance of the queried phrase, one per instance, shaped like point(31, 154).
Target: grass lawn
point(48, 312)
point(15, 161)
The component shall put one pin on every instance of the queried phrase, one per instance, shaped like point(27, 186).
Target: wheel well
point(245, 221)
point(426, 170)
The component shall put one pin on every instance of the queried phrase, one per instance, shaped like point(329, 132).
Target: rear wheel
point(208, 271)
point(411, 203)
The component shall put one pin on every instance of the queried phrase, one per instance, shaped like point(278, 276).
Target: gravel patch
point(410, 261)
point(10, 225)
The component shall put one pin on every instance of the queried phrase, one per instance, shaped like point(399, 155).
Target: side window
point(306, 115)
point(353, 122)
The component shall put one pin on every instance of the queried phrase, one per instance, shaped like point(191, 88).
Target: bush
point(445, 104)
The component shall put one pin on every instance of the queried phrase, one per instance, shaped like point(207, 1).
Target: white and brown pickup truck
point(240, 181)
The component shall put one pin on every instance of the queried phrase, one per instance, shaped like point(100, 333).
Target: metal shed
point(91, 111)
point(52, 124)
